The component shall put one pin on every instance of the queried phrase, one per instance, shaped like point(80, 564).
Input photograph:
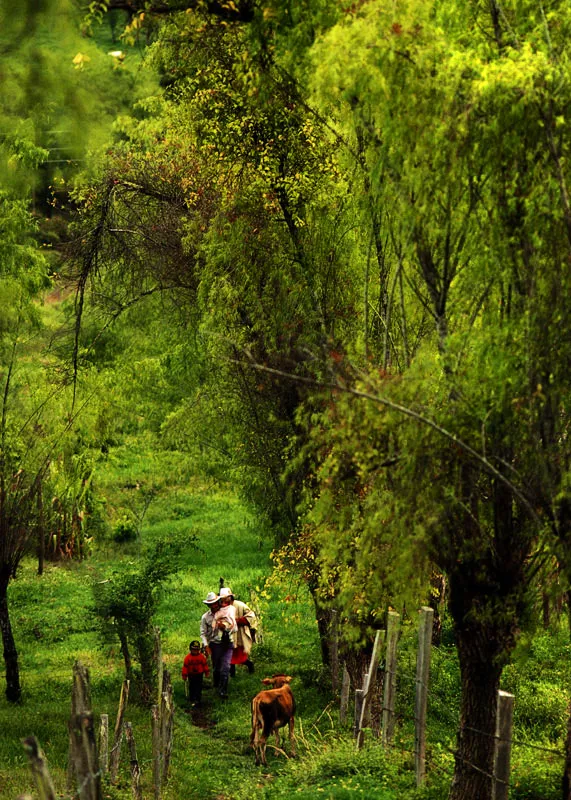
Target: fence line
point(86, 764)
point(503, 737)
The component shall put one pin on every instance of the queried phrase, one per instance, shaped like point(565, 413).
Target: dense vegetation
point(321, 253)
point(54, 625)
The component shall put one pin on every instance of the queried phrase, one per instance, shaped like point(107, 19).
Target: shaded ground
point(201, 715)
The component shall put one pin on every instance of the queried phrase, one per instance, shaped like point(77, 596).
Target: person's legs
point(241, 656)
point(195, 688)
point(225, 659)
point(216, 652)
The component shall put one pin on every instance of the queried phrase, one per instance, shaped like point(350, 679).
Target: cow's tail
point(254, 721)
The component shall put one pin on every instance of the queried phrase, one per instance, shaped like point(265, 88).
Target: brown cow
point(272, 709)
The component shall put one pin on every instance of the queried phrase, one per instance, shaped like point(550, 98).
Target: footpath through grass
point(211, 759)
point(54, 625)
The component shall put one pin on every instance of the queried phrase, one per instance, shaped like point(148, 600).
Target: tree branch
point(482, 460)
point(240, 11)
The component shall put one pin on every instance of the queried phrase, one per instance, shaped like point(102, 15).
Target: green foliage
point(55, 627)
point(230, 171)
point(127, 602)
point(131, 598)
point(125, 530)
point(375, 199)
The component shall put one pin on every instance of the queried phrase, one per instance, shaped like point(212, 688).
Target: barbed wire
point(438, 767)
point(513, 741)
point(458, 757)
point(432, 690)
point(518, 742)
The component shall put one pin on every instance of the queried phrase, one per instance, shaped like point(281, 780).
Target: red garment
point(239, 655)
point(195, 665)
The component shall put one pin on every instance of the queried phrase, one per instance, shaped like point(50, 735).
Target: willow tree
point(432, 152)
point(219, 199)
point(466, 461)
point(22, 465)
point(225, 200)
point(40, 91)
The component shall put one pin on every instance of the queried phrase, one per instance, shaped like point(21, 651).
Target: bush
point(125, 530)
point(96, 525)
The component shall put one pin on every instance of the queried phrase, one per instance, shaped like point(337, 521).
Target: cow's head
point(276, 681)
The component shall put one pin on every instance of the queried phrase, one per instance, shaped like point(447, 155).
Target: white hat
point(211, 598)
point(225, 592)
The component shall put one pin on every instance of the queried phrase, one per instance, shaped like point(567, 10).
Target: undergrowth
point(54, 625)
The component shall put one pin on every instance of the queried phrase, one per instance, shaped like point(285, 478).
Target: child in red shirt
point(193, 669)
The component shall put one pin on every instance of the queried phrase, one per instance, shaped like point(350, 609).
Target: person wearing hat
point(207, 633)
point(194, 668)
point(246, 622)
point(218, 637)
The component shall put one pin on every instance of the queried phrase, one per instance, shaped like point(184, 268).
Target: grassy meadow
point(212, 760)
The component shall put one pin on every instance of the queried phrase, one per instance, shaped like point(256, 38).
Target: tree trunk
point(126, 655)
point(13, 689)
point(480, 677)
point(323, 617)
point(145, 645)
point(41, 533)
point(487, 596)
point(357, 661)
point(567, 767)
point(436, 603)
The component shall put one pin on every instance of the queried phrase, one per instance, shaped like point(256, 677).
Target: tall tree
point(462, 106)
point(298, 152)
point(40, 90)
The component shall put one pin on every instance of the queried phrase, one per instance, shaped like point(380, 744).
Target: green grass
point(53, 626)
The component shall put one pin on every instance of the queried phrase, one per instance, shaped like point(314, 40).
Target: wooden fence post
point(421, 699)
point(159, 661)
point(359, 693)
point(156, 732)
point(365, 718)
point(503, 746)
point(390, 683)
point(41, 531)
point(344, 703)
point(84, 755)
point(84, 762)
point(104, 743)
point(167, 726)
point(118, 732)
point(39, 769)
point(135, 769)
point(80, 703)
point(368, 686)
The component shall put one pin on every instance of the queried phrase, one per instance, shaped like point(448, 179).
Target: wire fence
point(447, 733)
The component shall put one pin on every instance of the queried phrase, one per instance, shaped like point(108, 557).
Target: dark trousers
point(221, 658)
point(194, 688)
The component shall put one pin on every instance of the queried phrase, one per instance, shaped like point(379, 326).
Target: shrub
point(126, 603)
point(125, 530)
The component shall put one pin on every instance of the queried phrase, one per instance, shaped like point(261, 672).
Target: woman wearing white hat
point(246, 621)
point(218, 637)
